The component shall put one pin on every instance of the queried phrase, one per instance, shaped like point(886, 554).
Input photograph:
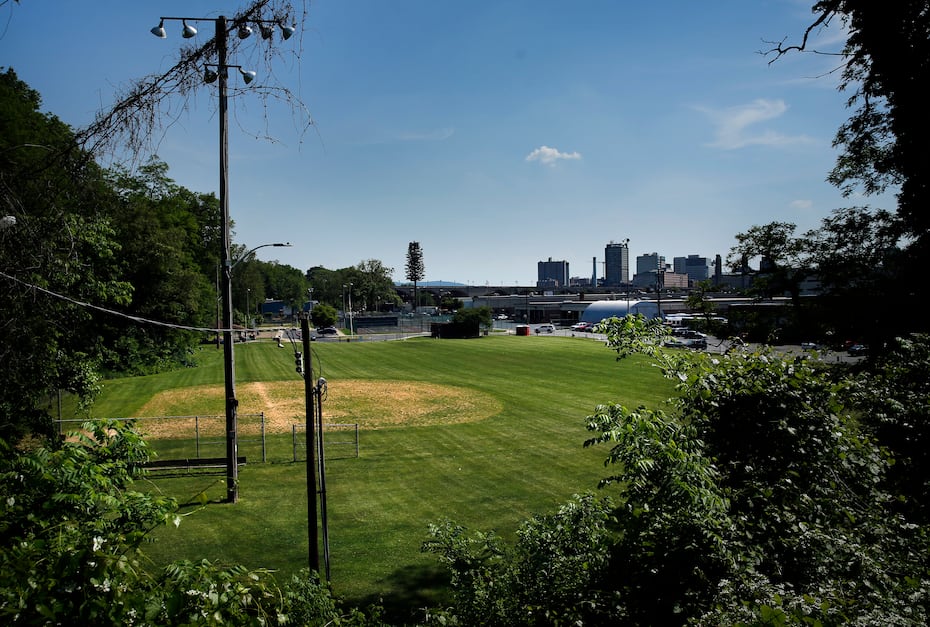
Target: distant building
point(552, 274)
point(653, 262)
point(276, 309)
point(647, 268)
point(617, 263)
point(601, 310)
point(696, 267)
point(582, 281)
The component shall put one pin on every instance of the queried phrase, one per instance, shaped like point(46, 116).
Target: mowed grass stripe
point(489, 474)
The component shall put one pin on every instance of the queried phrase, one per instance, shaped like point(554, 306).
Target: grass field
point(486, 432)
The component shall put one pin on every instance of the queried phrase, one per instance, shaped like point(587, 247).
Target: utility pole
point(305, 368)
point(226, 265)
point(232, 404)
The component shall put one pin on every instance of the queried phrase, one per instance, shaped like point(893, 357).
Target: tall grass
point(489, 474)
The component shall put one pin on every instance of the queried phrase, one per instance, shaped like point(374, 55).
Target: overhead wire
point(121, 314)
point(142, 320)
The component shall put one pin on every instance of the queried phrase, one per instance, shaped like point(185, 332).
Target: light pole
point(245, 256)
point(248, 312)
point(351, 330)
point(344, 315)
point(229, 373)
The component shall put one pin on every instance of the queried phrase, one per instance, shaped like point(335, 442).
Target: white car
point(545, 328)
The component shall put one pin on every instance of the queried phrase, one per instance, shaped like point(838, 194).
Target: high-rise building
point(648, 269)
point(617, 263)
point(652, 262)
point(696, 267)
point(552, 273)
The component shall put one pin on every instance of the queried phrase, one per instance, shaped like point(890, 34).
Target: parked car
point(582, 326)
point(545, 328)
point(857, 350)
point(698, 343)
point(695, 343)
point(329, 331)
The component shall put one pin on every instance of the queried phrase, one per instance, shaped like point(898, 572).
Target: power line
point(112, 312)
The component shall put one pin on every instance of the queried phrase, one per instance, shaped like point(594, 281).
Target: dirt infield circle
point(370, 404)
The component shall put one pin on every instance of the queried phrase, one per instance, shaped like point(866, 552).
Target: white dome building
point(601, 309)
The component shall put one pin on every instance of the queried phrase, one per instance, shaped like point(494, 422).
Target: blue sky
point(496, 133)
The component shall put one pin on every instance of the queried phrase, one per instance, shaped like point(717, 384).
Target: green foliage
point(673, 516)
point(73, 525)
point(369, 283)
point(415, 270)
point(550, 576)
point(323, 315)
point(61, 243)
point(372, 286)
point(476, 317)
point(891, 398)
point(759, 499)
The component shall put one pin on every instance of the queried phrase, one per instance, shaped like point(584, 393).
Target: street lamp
point(344, 316)
point(351, 330)
point(222, 33)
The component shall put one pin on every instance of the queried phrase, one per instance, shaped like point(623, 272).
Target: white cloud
point(735, 125)
point(438, 134)
point(549, 156)
point(801, 204)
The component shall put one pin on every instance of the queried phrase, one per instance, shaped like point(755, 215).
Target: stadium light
point(221, 40)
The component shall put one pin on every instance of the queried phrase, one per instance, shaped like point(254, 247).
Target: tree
point(475, 317)
point(782, 264)
point(283, 282)
point(59, 251)
point(698, 302)
point(416, 270)
point(759, 499)
point(327, 285)
point(883, 143)
point(169, 249)
point(858, 258)
point(373, 285)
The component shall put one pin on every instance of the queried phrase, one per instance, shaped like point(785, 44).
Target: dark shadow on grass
point(414, 588)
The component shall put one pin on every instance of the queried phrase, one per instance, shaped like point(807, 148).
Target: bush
point(550, 576)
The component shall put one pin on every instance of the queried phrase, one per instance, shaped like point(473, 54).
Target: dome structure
point(601, 309)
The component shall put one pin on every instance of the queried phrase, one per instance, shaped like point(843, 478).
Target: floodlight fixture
point(248, 75)
point(244, 31)
point(209, 76)
point(189, 31)
point(266, 30)
point(287, 31)
point(159, 31)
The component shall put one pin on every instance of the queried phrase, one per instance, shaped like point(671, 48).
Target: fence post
point(197, 435)
point(294, 440)
point(264, 457)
